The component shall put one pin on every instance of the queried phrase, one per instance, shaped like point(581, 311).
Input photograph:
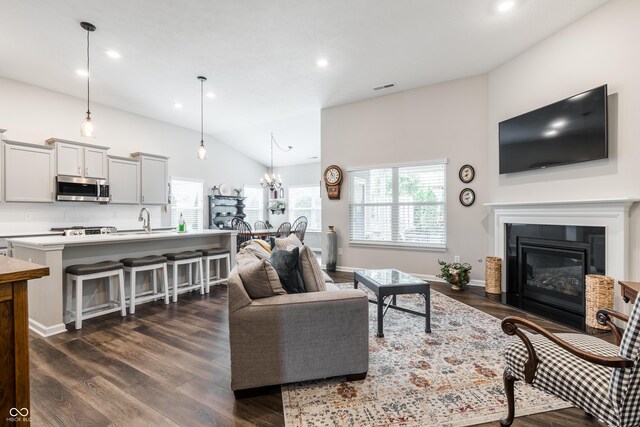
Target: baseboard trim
point(429, 277)
point(46, 331)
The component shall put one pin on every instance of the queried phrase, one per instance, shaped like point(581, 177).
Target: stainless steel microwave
point(75, 189)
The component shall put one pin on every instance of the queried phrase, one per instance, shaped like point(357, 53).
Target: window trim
point(394, 204)
point(202, 209)
point(263, 216)
point(289, 204)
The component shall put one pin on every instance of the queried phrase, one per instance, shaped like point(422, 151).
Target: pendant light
point(87, 128)
point(202, 152)
point(270, 180)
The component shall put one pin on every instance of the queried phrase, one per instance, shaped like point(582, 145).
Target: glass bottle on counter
point(182, 226)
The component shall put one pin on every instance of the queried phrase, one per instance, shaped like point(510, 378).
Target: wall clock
point(467, 197)
point(332, 181)
point(467, 173)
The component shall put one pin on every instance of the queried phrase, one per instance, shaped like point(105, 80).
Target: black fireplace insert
point(546, 265)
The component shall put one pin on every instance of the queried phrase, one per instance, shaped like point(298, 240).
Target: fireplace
point(546, 265)
point(552, 272)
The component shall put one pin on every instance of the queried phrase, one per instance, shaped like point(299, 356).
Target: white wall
point(447, 120)
point(600, 48)
point(306, 174)
point(32, 114)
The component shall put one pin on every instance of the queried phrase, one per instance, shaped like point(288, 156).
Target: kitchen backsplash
point(36, 217)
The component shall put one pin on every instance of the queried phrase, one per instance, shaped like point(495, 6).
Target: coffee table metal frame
point(384, 291)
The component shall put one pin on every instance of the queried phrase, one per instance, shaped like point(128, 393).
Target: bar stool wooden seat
point(215, 254)
point(154, 264)
point(191, 259)
point(78, 274)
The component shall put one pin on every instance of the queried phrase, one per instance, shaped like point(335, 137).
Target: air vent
point(387, 86)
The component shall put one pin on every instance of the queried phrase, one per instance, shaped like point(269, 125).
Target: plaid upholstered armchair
point(600, 378)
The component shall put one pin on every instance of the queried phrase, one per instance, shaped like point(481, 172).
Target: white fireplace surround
point(612, 214)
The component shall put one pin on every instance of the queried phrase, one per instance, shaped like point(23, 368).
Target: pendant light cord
point(201, 111)
point(88, 77)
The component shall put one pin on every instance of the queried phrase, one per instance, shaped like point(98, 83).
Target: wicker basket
point(599, 294)
point(493, 275)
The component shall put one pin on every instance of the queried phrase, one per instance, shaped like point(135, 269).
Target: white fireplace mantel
point(612, 214)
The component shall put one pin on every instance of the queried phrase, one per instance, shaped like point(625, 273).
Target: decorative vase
point(456, 280)
point(332, 248)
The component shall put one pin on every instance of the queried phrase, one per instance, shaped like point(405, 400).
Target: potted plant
point(455, 273)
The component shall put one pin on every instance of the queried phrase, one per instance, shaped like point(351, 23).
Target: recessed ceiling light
point(211, 94)
point(550, 132)
point(177, 105)
point(506, 6)
point(322, 62)
point(81, 72)
point(114, 54)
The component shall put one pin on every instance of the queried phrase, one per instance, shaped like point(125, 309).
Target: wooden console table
point(14, 336)
point(629, 290)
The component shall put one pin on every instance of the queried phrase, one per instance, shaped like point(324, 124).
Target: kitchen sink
point(129, 233)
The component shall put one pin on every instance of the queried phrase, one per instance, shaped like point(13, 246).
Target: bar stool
point(215, 254)
point(80, 273)
point(190, 259)
point(153, 264)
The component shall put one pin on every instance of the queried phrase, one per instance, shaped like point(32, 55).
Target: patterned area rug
point(451, 377)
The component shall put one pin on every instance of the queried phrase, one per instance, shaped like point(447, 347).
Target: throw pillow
point(311, 270)
point(292, 240)
point(256, 248)
point(259, 278)
point(266, 246)
point(287, 264)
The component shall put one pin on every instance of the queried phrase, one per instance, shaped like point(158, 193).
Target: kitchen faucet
point(146, 222)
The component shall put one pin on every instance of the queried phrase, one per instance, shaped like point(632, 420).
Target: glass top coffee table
point(387, 283)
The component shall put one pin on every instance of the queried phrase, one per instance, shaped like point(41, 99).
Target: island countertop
point(121, 237)
point(46, 295)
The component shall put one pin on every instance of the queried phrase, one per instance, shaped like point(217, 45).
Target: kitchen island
point(46, 311)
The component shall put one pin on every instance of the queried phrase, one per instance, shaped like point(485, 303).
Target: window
point(306, 201)
point(186, 198)
point(254, 204)
point(399, 206)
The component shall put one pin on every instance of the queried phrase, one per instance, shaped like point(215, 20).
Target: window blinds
point(400, 206)
point(306, 201)
point(186, 198)
point(254, 204)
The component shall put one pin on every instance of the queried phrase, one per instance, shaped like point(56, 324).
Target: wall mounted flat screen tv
point(569, 131)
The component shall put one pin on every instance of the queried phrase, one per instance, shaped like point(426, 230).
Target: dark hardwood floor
point(169, 365)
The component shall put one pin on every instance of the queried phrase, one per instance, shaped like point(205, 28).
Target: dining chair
point(244, 233)
point(284, 230)
point(299, 228)
point(260, 225)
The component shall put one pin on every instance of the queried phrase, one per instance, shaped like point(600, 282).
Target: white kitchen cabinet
point(154, 177)
point(124, 180)
point(79, 159)
point(28, 172)
point(95, 163)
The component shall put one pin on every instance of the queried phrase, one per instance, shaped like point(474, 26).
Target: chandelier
point(270, 180)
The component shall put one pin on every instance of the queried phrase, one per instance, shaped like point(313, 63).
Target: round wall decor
point(467, 173)
point(467, 197)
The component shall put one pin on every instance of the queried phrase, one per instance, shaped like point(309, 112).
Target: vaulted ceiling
point(260, 56)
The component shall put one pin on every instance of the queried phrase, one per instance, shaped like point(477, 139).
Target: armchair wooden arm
point(604, 315)
point(510, 327)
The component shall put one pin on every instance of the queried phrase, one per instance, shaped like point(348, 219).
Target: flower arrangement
point(455, 273)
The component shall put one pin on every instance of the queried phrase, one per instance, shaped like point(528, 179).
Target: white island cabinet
point(80, 159)
point(28, 172)
point(154, 173)
point(58, 252)
point(124, 180)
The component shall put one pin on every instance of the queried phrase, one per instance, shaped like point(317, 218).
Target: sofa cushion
point(259, 278)
point(287, 264)
point(326, 277)
point(311, 270)
point(291, 240)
